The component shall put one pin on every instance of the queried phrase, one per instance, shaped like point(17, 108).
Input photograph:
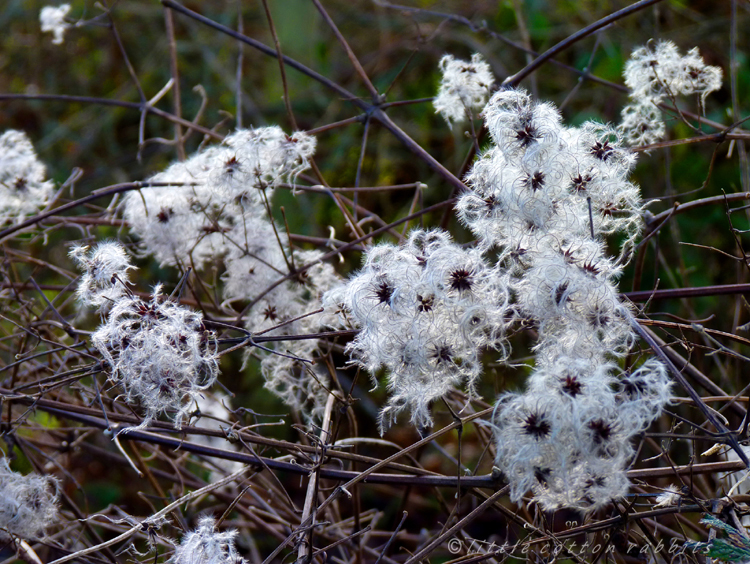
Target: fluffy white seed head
point(205, 545)
point(28, 503)
point(657, 71)
point(52, 20)
point(545, 197)
point(644, 393)
point(216, 211)
point(269, 156)
point(543, 181)
point(568, 437)
point(290, 375)
point(159, 352)
point(425, 310)
point(464, 87)
point(642, 124)
point(215, 205)
point(23, 188)
point(516, 123)
point(105, 273)
point(183, 223)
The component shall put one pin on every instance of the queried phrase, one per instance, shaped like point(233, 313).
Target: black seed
point(599, 481)
point(535, 181)
point(541, 475)
point(384, 292)
point(590, 268)
point(517, 253)
point(148, 311)
point(568, 256)
point(231, 166)
point(602, 151)
point(632, 388)
point(270, 313)
point(598, 318)
point(602, 431)
point(581, 181)
point(526, 135)
point(425, 303)
point(461, 280)
point(442, 354)
point(572, 385)
point(302, 278)
point(608, 209)
point(536, 425)
point(560, 296)
point(164, 214)
point(20, 184)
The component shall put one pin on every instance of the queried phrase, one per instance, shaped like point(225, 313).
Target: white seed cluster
point(425, 311)
point(658, 71)
point(52, 20)
point(23, 188)
point(105, 273)
point(205, 545)
point(159, 352)
point(545, 197)
point(28, 504)
point(214, 204)
point(215, 210)
point(464, 86)
point(568, 437)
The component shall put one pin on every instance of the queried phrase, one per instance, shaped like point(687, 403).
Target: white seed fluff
point(23, 188)
point(655, 72)
point(28, 503)
point(425, 311)
point(159, 352)
point(52, 20)
point(464, 86)
point(205, 545)
point(105, 273)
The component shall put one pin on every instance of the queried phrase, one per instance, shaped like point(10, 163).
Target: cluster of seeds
point(214, 209)
point(28, 504)
point(157, 351)
point(464, 87)
point(425, 311)
point(205, 545)
point(23, 188)
point(103, 267)
point(544, 198)
point(658, 71)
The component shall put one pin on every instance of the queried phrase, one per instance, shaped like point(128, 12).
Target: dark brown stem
point(515, 80)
